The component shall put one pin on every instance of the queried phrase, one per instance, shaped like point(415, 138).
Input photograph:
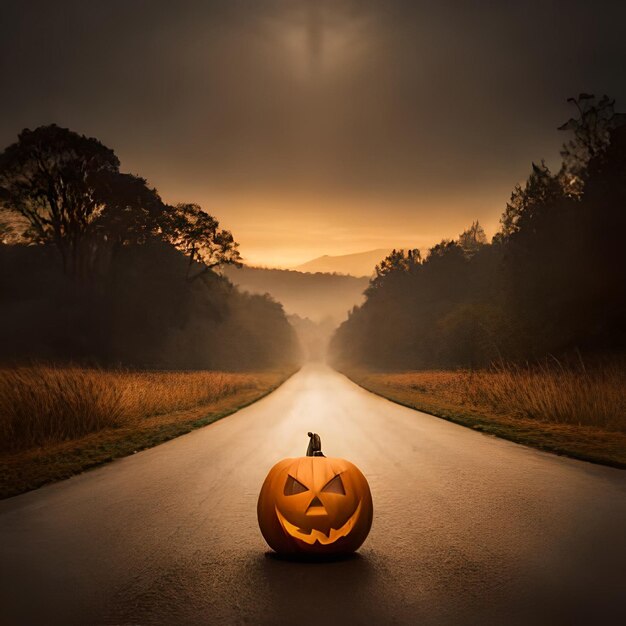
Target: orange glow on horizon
point(284, 231)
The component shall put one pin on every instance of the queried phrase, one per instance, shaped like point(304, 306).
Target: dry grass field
point(56, 421)
point(578, 411)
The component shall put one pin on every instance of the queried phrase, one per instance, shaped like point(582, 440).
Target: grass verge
point(143, 409)
point(580, 414)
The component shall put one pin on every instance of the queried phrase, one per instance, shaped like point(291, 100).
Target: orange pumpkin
point(315, 504)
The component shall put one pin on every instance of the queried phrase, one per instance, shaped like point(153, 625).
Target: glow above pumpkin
point(315, 504)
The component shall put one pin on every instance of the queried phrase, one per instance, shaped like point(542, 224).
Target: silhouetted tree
point(197, 235)
point(152, 299)
point(55, 179)
point(144, 313)
point(592, 128)
point(70, 193)
point(133, 212)
point(541, 189)
point(397, 262)
point(472, 239)
point(553, 280)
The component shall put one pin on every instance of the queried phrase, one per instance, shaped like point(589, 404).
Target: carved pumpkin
point(314, 504)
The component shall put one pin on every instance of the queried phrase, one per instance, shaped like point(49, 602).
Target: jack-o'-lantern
point(315, 504)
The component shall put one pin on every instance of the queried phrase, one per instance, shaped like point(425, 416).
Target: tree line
point(95, 267)
point(550, 282)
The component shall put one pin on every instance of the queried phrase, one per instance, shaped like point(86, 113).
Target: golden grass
point(41, 405)
point(58, 421)
point(577, 411)
point(550, 394)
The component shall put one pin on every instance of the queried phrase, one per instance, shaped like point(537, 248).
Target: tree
point(541, 190)
point(68, 192)
point(134, 213)
point(397, 262)
point(472, 239)
point(198, 235)
point(55, 179)
point(592, 128)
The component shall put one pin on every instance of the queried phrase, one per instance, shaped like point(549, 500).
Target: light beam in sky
point(314, 127)
point(315, 34)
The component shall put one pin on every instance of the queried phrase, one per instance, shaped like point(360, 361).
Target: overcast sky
point(315, 126)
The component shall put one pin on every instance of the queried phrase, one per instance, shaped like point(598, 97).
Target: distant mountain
point(359, 264)
point(317, 296)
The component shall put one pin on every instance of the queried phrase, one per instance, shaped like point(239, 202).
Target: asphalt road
point(468, 529)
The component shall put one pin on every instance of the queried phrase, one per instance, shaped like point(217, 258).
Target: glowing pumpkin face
point(315, 504)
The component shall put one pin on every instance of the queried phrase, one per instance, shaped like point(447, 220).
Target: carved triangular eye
point(293, 487)
point(335, 485)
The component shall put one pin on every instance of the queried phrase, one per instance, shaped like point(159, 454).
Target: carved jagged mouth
point(314, 535)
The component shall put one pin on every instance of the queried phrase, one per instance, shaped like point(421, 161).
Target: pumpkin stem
point(315, 445)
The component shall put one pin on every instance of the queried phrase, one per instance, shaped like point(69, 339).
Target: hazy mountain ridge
point(360, 264)
point(318, 296)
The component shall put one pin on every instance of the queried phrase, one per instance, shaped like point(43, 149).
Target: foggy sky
point(311, 127)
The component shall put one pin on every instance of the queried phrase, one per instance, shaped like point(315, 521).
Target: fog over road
point(468, 529)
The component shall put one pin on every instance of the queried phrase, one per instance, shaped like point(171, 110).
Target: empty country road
point(468, 529)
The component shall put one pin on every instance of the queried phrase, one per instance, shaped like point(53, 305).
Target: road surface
point(468, 529)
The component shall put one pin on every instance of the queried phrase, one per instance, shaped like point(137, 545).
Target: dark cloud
point(305, 98)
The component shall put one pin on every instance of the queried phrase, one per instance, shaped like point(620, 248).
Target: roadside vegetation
point(57, 421)
point(552, 280)
point(125, 293)
point(574, 410)
point(97, 269)
point(550, 284)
